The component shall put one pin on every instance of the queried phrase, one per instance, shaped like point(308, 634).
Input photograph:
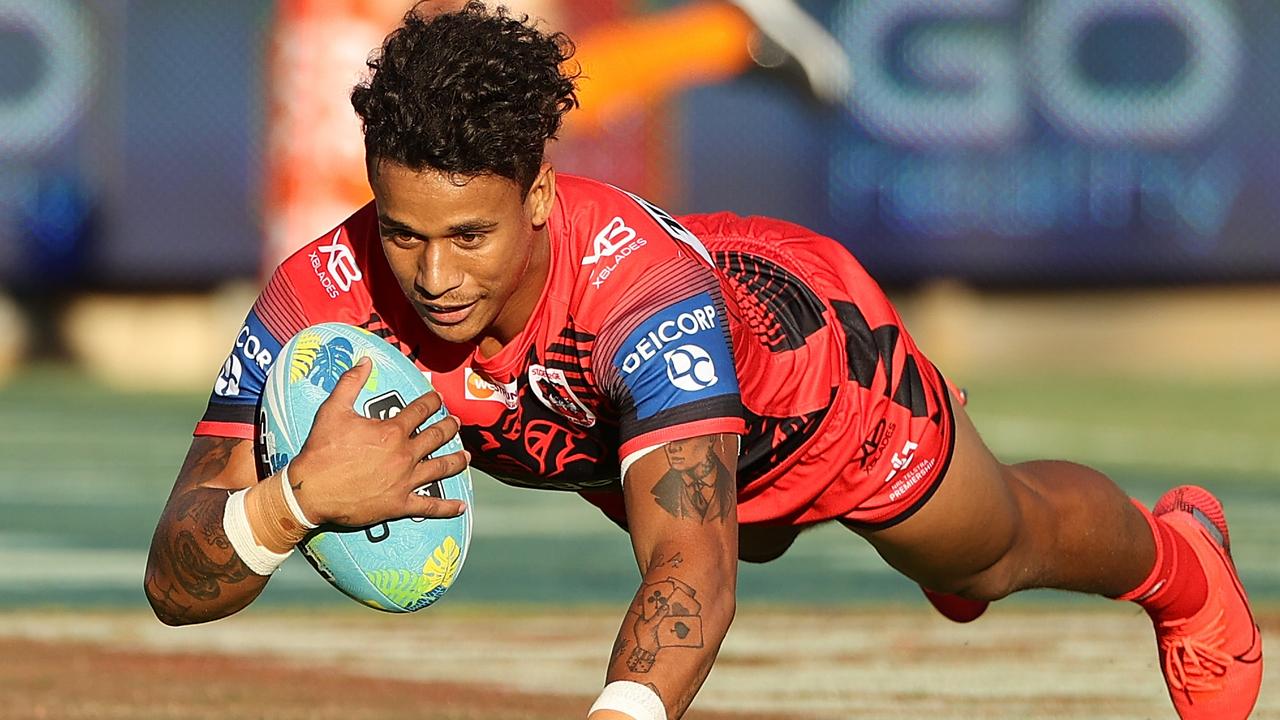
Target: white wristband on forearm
point(638, 701)
point(235, 522)
point(292, 501)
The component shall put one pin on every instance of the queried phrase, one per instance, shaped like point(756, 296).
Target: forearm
point(193, 573)
point(675, 625)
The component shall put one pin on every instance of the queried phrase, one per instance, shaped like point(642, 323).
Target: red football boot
point(1212, 661)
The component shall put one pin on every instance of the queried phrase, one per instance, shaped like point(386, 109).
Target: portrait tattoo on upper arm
point(697, 485)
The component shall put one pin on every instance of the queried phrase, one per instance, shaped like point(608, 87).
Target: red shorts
point(885, 432)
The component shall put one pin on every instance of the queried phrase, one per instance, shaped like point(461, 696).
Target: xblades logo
point(873, 446)
point(339, 270)
point(617, 242)
point(609, 241)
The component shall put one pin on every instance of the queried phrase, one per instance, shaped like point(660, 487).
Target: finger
point(438, 468)
point(348, 386)
point(434, 436)
point(429, 507)
point(417, 412)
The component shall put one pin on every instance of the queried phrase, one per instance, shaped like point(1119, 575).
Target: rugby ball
point(398, 566)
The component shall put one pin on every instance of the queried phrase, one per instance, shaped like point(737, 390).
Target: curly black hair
point(467, 93)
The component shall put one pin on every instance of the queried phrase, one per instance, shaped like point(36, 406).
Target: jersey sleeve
point(276, 316)
point(664, 356)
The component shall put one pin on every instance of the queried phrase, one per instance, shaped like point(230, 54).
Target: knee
point(995, 582)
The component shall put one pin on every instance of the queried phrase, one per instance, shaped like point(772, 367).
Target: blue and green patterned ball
point(398, 566)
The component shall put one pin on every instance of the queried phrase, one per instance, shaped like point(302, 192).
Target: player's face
point(473, 257)
point(685, 455)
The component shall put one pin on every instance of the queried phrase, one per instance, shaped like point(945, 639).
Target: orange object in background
point(633, 63)
point(314, 160)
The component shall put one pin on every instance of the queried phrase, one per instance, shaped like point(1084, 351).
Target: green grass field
point(825, 633)
point(84, 472)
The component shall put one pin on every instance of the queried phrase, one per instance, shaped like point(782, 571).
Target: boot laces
point(1195, 661)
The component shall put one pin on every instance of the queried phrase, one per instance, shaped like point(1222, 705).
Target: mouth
point(446, 314)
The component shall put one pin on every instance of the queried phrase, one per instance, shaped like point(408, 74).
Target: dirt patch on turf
point(77, 681)
point(1014, 664)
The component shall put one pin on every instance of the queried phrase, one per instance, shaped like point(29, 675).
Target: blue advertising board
point(1006, 142)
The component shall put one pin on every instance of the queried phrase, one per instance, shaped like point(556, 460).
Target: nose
point(438, 271)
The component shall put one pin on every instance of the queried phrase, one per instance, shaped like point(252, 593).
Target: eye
point(470, 239)
point(399, 238)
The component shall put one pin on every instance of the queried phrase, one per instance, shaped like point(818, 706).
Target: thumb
point(347, 389)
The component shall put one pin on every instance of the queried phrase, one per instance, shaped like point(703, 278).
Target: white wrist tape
point(632, 698)
point(235, 521)
point(292, 501)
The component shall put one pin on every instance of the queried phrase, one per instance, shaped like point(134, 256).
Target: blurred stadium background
point(1074, 201)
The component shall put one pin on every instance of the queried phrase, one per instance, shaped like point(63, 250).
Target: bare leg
point(993, 529)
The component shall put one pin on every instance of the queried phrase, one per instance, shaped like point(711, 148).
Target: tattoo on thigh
point(697, 484)
point(667, 614)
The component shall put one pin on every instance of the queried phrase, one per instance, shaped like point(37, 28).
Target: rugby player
point(586, 341)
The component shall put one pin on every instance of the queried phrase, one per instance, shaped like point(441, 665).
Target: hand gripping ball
point(396, 566)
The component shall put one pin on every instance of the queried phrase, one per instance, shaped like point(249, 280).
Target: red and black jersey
point(648, 330)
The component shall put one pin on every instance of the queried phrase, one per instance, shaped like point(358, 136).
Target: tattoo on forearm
point(674, 561)
point(197, 539)
point(203, 510)
point(212, 461)
point(200, 575)
point(170, 604)
point(698, 484)
point(619, 647)
point(667, 615)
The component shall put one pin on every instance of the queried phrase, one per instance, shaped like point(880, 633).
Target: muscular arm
point(193, 574)
point(682, 511)
point(352, 471)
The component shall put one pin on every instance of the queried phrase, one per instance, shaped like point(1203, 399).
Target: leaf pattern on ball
point(442, 566)
point(408, 589)
point(305, 350)
point(332, 359)
point(402, 587)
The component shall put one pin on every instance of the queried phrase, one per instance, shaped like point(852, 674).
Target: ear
point(542, 195)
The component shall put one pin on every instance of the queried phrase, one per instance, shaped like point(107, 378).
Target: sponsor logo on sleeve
point(479, 387)
point(667, 328)
point(681, 348)
point(552, 387)
point(253, 348)
point(335, 266)
point(228, 383)
point(690, 368)
point(244, 373)
point(612, 245)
